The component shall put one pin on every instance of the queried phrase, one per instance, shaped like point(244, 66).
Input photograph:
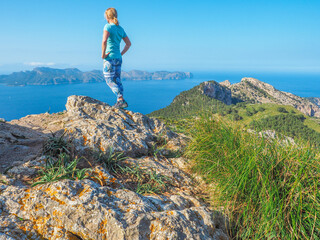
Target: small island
point(52, 76)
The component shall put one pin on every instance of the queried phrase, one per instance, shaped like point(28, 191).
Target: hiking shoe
point(121, 104)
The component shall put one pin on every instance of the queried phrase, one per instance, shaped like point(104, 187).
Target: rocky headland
point(101, 203)
point(52, 76)
point(211, 95)
point(255, 91)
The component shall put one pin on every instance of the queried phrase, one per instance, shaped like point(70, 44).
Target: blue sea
point(142, 96)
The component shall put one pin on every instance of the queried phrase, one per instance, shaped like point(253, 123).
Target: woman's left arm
point(105, 37)
point(127, 46)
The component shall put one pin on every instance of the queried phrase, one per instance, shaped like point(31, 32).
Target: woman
point(111, 55)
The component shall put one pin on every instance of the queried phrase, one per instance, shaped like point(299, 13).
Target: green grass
point(110, 159)
point(268, 191)
point(144, 181)
point(54, 146)
point(62, 168)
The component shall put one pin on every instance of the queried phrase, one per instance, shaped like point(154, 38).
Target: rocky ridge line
point(251, 89)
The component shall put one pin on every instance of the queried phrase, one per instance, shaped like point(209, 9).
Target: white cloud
point(37, 64)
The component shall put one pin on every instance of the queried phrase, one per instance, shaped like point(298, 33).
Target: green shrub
point(268, 191)
point(236, 117)
point(248, 113)
point(254, 111)
point(282, 110)
point(291, 125)
point(261, 109)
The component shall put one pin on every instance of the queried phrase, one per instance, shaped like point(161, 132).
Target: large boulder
point(95, 124)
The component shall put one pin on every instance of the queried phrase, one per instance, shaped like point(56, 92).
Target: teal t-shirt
point(117, 33)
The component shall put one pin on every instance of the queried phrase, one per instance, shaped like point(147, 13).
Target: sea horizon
point(19, 101)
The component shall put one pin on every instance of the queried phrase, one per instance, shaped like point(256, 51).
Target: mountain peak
point(225, 83)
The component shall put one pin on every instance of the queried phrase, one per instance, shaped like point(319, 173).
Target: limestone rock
point(259, 92)
point(225, 83)
point(213, 89)
point(87, 210)
point(273, 135)
point(18, 145)
point(315, 100)
point(97, 125)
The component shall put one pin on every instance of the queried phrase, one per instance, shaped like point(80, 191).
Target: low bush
point(291, 125)
point(282, 110)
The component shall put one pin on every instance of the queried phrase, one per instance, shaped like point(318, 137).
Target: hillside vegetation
point(268, 190)
point(283, 119)
point(189, 103)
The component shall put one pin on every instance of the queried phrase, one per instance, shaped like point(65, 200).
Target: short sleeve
point(124, 34)
point(107, 27)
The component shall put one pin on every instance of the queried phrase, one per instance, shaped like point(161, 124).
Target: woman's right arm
point(127, 46)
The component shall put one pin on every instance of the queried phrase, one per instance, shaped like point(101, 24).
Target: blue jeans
point(112, 75)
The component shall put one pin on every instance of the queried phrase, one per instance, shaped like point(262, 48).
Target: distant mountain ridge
point(210, 94)
point(52, 76)
point(255, 91)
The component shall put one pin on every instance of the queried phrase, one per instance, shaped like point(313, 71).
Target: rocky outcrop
point(251, 89)
point(315, 100)
point(214, 90)
point(87, 210)
point(274, 136)
point(98, 125)
point(225, 83)
point(102, 206)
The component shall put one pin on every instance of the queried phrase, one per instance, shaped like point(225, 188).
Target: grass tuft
point(268, 190)
point(143, 181)
point(62, 168)
point(54, 146)
point(110, 159)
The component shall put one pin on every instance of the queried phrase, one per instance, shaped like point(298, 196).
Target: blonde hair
point(111, 14)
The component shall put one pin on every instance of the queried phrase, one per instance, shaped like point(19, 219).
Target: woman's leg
point(112, 75)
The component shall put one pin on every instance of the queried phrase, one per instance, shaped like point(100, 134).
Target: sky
point(174, 35)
